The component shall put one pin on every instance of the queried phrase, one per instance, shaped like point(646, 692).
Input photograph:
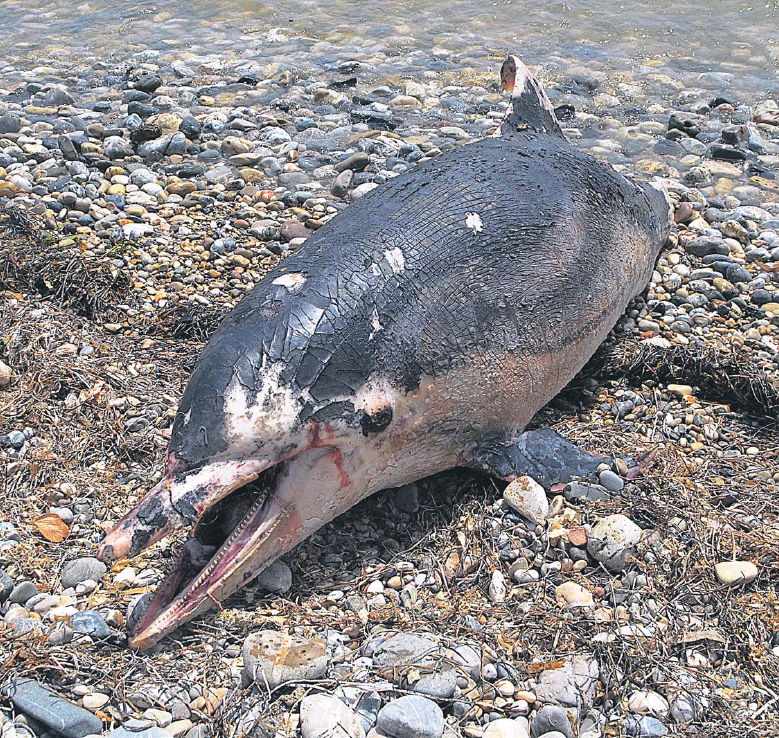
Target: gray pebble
point(23, 591)
point(411, 717)
point(611, 481)
point(552, 718)
point(80, 569)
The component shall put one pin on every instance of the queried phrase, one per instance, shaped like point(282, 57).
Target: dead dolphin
point(418, 331)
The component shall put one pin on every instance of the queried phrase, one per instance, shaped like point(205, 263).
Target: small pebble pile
point(191, 186)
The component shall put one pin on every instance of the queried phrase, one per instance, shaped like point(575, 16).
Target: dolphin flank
point(419, 330)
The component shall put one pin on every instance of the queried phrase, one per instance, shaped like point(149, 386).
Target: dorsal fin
point(530, 107)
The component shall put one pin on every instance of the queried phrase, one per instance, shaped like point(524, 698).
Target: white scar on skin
point(474, 222)
point(271, 415)
point(376, 326)
point(292, 281)
point(395, 259)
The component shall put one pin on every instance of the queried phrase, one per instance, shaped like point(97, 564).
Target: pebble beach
point(144, 191)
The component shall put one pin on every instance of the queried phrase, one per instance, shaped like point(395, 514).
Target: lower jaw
point(199, 552)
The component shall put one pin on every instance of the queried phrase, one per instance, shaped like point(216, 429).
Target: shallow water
point(680, 38)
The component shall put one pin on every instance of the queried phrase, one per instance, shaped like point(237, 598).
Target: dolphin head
point(291, 388)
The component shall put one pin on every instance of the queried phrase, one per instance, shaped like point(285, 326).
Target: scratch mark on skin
point(474, 222)
point(293, 282)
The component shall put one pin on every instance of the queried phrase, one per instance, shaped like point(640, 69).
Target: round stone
point(411, 717)
point(81, 569)
point(734, 573)
point(613, 540)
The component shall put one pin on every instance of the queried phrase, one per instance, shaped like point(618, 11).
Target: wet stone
point(356, 162)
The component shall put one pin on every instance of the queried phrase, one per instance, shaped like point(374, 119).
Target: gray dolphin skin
point(419, 330)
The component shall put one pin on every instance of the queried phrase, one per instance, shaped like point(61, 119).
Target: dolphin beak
point(305, 493)
point(178, 501)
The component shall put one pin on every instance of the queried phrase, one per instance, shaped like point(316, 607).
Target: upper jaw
point(176, 502)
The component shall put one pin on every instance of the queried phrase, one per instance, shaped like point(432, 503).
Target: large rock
point(550, 718)
point(271, 658)
point(613, 540)
point(404, 649)
point(411, 717)
point(325, 715)
point(63, 717)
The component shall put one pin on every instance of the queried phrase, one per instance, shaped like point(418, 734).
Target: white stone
point(734, 573)
point(497, 589)
point(161, 717)
point(613, 540)
point(505, 728)
point(125, 578)
point(528, 498)
point(571, 594)
point(94, 701)
point(324, 715)
point(647, 702)
point(363, 189)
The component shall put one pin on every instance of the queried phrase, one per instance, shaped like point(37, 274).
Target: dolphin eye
point(376, 420)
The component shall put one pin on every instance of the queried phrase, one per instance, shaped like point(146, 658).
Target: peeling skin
point(474, 222)
point(396, 260)
point(293, 282)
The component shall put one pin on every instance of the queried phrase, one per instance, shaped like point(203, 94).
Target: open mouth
point(210, 555)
